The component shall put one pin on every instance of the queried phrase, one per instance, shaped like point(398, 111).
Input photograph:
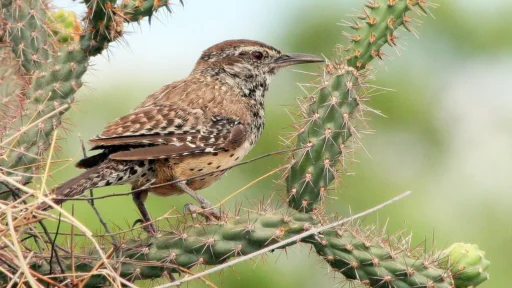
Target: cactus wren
point(205, 122)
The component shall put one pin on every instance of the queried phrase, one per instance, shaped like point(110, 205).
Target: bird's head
point(247, 62)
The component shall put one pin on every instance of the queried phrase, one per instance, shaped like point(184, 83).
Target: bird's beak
point(296, 58)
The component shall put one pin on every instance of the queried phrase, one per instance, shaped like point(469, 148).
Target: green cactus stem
point(323, 137)
point(135, 10)
point(329, 113)
point(376, 27)
point(11, 84)
point(105, 19)
point(27, 33)
point(53, 62)
point(363, 255)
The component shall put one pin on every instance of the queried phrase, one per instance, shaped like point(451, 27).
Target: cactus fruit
point(64, 26)
point(467, 263)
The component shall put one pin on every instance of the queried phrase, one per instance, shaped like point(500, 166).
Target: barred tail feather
point(78, 185)
point(108, 173)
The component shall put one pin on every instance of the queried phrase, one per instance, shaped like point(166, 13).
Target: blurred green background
point(446, 136)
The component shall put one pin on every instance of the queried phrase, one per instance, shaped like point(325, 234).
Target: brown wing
point(208, 142)
point(169, 131)
point(151, 125)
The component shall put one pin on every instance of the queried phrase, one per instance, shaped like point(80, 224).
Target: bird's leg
point(207, 208)
point(138, 198)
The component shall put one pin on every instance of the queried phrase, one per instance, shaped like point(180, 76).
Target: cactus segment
point(377, 26)
point(102, 26)
point(10, 90)
point(322, 139)
point(363, 255)
point(135, 10)
point(27, 34)
point(378, 261)
point(105, 21)
point(54, 87)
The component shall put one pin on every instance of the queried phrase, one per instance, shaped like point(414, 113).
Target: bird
point(205, 122)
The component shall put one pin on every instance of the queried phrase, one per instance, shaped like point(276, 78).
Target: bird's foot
point(148, 227)
point(208, 212)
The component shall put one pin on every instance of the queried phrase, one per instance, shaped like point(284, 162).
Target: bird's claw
point(191, 209)
point(147, 227)
point(208, 212)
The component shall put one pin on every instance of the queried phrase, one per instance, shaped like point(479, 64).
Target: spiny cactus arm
point(377, 26)
point(360, 254)
point(102, 26)
point(323, 136)
point(380, 261)
point(105, 20)
point(330, 112)
point(49, 96)
point(28, 33)
point(135, 10)
point(11, 84)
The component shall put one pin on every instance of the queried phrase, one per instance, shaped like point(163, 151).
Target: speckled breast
point(191, 166)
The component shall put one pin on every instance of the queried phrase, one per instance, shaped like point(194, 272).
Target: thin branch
point(47, 169)
point(21, 259)
point(285, 242)
point(68, 218)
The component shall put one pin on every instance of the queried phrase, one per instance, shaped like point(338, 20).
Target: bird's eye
point(257, 55)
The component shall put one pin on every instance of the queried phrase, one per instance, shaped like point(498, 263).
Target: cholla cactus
point(44, 55)
point(328, 114)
